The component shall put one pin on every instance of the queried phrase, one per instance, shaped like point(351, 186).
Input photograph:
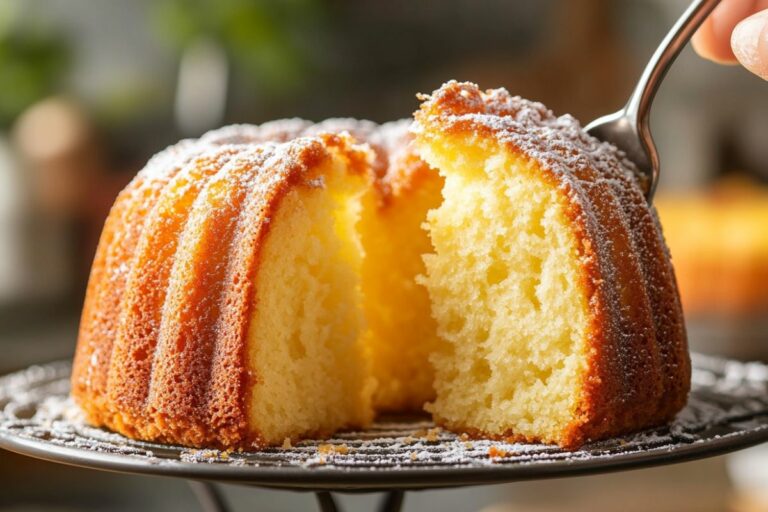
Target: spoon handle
point(639, 104)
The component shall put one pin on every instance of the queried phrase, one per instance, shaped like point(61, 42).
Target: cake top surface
point(288, 158)
point(395, 166)
point(558, 143)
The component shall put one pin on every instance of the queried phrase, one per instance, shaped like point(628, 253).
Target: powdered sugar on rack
point(728, 399)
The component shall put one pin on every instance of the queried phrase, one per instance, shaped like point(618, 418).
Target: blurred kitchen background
point(89, 90)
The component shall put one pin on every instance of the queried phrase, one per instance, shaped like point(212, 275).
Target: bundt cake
point(292, 279)
point(553, 292)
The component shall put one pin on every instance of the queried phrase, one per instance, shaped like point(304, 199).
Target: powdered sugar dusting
point(557, 142)
point(728, 399)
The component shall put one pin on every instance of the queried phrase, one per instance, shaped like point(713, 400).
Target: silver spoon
point(629, 128)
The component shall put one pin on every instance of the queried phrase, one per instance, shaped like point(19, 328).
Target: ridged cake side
point(137, 352)
point(120, 235)
point(161, 351)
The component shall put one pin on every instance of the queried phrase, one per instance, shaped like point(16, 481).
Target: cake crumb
point(464, 436)
point(432, 434)
point(331, 449)
point(496, 452)
point(287, 443)
point(409, 439)
point(468, 445)
point(414, 456)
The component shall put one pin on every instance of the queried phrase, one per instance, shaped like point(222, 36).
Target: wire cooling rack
point(727, 410)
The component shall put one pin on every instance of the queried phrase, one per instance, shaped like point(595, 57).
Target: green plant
point(32, 64)
point(271, 41)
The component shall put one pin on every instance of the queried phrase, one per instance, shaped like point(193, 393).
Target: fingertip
point(710, 44)
point(698, 45)
point(750, 43)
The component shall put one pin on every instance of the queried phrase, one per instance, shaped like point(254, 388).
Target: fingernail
point(749, 41)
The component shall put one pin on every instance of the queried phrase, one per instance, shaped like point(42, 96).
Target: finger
point(713, 39)
point(750, 43)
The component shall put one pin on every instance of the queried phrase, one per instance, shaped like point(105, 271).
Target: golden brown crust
point(171, 339)
point(638, 370)
point(119, 237)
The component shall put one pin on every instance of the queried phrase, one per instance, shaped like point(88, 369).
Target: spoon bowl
point(635, 141)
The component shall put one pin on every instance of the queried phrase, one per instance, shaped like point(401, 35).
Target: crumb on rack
point(496, 452)
point(333, 449)
point(433, 434)
point(287, 443)
point(464, 436)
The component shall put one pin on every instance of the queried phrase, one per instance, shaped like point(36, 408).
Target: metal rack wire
point(727, 410)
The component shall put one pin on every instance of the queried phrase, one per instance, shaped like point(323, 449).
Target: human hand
point(736, 31)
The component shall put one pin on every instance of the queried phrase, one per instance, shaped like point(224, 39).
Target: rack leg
point(393, 501)
point(326, 502)
point(208, 496)
point(211, 500)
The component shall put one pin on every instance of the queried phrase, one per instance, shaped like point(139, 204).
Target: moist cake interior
point(512, 362)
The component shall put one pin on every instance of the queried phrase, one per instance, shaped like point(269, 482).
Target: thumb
point(749, 42)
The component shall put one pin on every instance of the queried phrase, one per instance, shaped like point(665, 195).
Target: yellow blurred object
point(750, 502)
point(719, 244)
